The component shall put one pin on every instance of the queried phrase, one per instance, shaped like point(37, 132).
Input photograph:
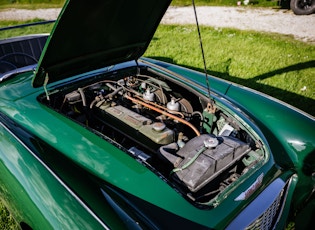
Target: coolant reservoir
point(204, 158)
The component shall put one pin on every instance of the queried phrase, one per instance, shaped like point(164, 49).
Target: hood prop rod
point(203, 55)
point(138, 67)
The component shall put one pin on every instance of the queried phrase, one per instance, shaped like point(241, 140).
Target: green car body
point(64, 166)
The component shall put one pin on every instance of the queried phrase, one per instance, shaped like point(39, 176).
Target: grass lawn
point(274, 64)
point(6, 220)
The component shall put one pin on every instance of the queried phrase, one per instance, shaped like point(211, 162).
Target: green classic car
point(94, 136)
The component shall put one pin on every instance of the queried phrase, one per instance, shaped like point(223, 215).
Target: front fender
point(36, 196)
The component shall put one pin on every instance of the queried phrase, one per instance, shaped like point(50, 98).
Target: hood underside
point(92, 34)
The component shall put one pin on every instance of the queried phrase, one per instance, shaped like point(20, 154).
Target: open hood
point(92, 34)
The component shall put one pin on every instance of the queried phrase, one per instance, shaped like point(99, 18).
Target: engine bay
point(189, 141)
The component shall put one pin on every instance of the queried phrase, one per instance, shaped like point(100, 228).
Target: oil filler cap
point(158, 126)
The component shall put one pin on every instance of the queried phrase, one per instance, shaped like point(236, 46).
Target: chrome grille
point(267, 219)
point(265, 210)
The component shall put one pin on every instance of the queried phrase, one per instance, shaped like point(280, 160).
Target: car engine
point(187, 140)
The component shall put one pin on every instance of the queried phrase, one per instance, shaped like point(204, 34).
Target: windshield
point(21, 53)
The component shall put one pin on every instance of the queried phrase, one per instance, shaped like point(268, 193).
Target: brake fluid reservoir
point(173, 106)
point(148, 95)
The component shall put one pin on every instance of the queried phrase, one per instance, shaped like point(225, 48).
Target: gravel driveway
point(245, 18)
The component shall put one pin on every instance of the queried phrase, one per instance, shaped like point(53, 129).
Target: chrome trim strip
point(17, 71)
point(284, 198)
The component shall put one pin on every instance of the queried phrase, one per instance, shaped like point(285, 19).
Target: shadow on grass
point(304, 103)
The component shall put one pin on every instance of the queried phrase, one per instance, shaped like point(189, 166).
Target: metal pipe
point(164, 113)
